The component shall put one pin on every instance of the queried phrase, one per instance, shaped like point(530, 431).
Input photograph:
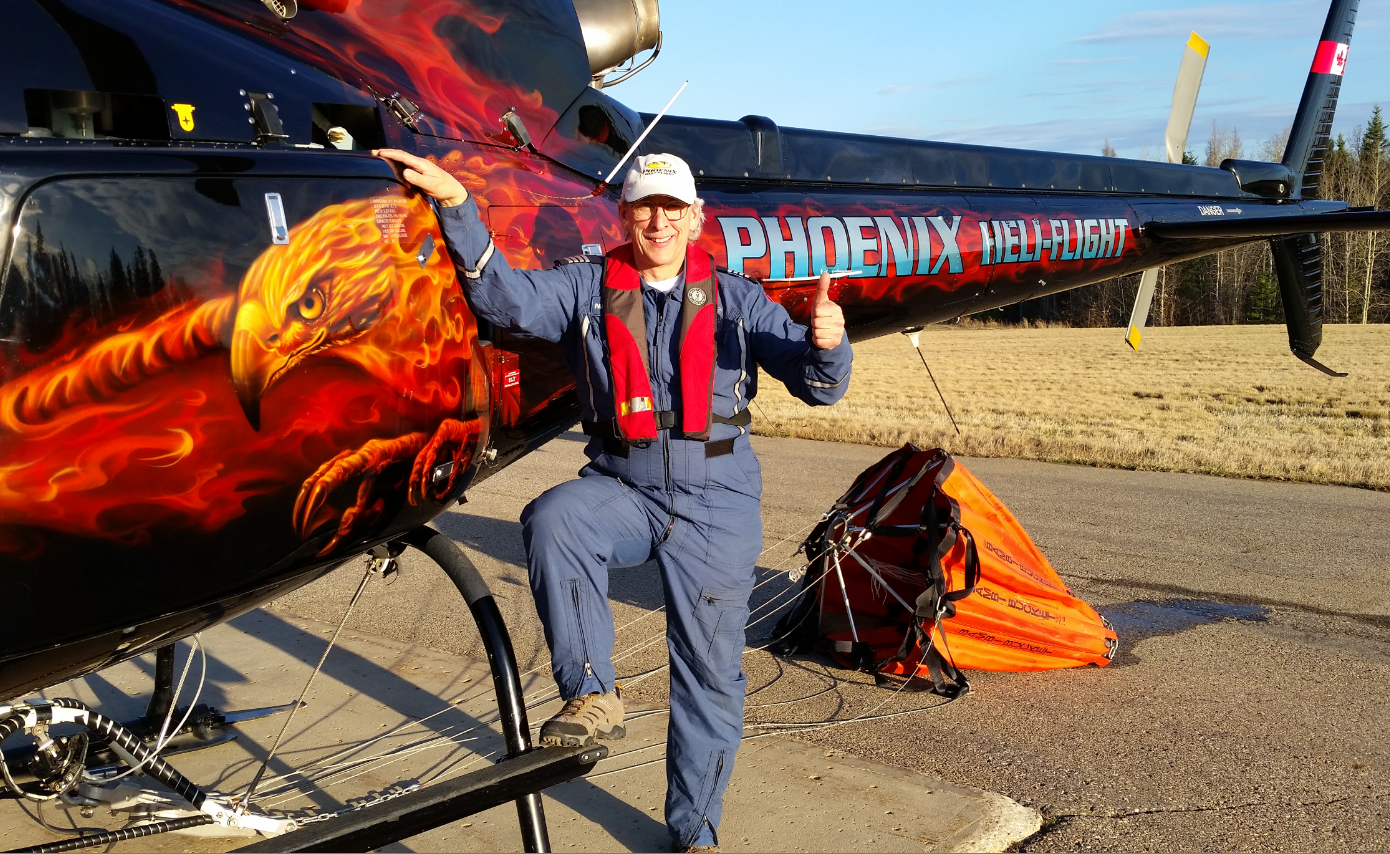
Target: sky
point(1054, 76)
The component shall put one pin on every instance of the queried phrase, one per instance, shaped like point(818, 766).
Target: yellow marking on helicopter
point(185, 113)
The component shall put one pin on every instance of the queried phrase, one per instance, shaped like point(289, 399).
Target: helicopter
point(237, 354)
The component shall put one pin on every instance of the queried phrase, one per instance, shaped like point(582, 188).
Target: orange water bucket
point(920, 570)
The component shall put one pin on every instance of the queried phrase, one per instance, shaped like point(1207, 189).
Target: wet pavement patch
point(1146, 618)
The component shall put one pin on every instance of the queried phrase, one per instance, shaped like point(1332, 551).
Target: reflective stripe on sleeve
point(482, 262)
point(836, 384)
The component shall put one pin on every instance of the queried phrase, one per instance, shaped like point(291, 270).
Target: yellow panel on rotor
point(1199, 44)
point(1133, 338)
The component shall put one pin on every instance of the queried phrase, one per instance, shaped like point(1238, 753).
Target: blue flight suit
point(699, 515)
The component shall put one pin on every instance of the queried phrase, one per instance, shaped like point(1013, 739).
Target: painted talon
point(369, 460)
point(452, 432)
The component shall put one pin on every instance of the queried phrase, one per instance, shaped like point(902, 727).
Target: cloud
point(1130, 135)
point(1228, 21)
point(1100, 60)
point(1103, 86)
point(939, 85)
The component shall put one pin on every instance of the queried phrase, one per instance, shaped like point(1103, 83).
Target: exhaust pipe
point(615, 32)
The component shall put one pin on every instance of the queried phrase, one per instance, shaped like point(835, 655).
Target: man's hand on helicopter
point(827, 320)
point(432, 181)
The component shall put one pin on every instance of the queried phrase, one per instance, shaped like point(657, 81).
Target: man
point(665, 351)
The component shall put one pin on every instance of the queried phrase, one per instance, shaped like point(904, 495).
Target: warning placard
point(390, 218)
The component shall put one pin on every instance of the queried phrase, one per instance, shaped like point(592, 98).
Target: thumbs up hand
point(827, 320)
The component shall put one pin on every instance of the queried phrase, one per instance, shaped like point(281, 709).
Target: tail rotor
point(1298, 259)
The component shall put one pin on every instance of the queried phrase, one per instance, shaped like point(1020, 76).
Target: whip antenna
point(648, 129)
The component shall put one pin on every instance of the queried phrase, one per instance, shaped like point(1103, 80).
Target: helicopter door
point(244, 372)
point(535, 238)
point(534, 385)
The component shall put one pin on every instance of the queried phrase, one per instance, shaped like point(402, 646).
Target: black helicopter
point(236, 354)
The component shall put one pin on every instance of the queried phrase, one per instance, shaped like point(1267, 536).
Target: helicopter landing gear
point(401, 812)
point(59, 769)
point(37, 766)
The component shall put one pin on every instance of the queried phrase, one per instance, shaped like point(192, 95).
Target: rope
point(330, 771)
point(923, 357)
point(538, 698)
point(260, 772)
point(164, 732)
point(791, 727)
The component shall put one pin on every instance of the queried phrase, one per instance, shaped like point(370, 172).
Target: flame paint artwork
point(341, 366)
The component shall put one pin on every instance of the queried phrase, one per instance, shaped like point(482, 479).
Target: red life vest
point(625, 327)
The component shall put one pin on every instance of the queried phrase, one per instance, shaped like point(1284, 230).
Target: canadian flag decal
point(1331, 58)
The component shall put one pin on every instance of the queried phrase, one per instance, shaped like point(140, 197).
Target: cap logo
point(697, 296)
point(657, 164)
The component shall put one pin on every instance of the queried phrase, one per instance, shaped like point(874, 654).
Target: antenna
point(633, 150)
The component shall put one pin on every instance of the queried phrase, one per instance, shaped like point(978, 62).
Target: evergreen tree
point(1264, 305)
point(156, 275)
point(120, 283)
point(1373, 143)
point(140, 274)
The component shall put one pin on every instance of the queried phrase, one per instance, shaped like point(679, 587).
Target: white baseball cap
point(659, 175)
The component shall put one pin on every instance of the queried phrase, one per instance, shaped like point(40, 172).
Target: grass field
point(1227, 400)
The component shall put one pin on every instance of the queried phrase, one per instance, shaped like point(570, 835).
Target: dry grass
point(1227, 400)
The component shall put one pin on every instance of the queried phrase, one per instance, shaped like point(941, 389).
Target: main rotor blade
point(1194, 64)
point(1139, 317)
point(1189, 82)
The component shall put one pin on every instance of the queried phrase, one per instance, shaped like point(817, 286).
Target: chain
point(388, 795)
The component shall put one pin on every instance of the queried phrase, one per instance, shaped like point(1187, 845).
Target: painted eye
point(311, 304)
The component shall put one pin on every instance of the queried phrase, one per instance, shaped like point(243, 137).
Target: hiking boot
point(703, 849)
point(583, 719)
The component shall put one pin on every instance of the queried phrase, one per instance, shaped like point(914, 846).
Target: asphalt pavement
point(1246, 710)
point(385, 718)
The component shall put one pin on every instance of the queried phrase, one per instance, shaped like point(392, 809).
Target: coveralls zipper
point(664, 436)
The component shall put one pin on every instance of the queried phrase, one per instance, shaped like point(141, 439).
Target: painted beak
point(254, 365)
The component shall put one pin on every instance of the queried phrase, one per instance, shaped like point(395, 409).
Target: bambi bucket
point(920, 570)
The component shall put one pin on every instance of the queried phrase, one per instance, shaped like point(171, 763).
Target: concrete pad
point(385, 714)
point(784, 796)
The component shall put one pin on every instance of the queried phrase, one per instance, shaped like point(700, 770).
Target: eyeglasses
point(645, 210)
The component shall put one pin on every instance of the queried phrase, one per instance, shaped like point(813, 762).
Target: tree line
point(47, 284)
point(1239, 285)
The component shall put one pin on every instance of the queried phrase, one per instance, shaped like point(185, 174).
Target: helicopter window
point(77, 114)
point(89, 253)
point(349, 127)
point(593, 133)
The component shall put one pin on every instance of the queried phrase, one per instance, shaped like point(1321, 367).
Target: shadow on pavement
point(399, 694)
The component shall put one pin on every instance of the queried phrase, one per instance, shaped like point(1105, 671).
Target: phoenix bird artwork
point(360, 283)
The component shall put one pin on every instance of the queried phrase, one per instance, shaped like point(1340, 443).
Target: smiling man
point(665, 349)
